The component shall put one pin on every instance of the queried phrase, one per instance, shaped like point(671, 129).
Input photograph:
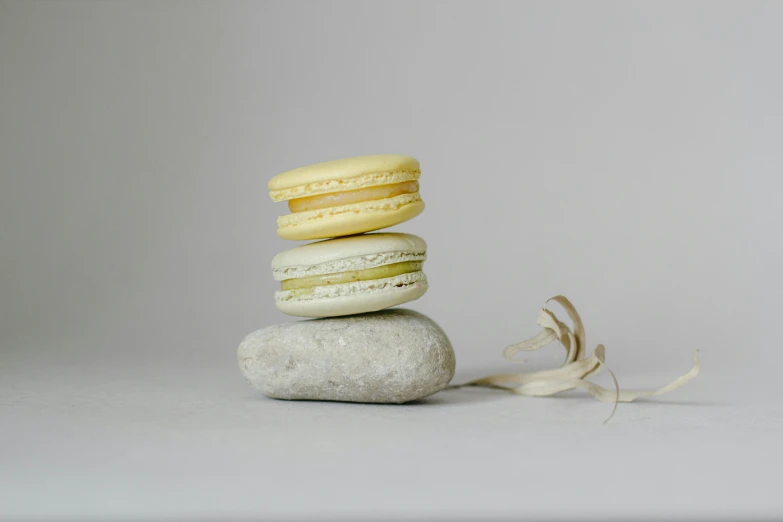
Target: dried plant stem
point(576, 368)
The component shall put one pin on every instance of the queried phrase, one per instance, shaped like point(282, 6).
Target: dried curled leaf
point(576, 368)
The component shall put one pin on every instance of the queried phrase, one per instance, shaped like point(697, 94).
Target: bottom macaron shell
point(350, 223)
point(352, 304)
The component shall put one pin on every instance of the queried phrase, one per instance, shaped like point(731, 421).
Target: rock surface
point(391, 356)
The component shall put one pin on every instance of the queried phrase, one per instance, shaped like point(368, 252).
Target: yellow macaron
point(347, 196)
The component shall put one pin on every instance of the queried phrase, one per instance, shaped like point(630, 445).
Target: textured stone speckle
point(391, 356)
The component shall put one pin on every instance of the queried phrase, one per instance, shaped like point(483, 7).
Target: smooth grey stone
point(392, 356)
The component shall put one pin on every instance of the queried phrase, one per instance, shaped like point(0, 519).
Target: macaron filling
point(351, 276)
point(336, 199)
point(403, 282)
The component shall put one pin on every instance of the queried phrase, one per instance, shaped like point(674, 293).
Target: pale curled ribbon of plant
point(576, 368)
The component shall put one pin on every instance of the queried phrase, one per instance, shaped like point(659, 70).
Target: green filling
point(304, 285)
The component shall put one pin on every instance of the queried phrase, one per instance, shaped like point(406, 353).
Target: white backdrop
point(624, 154)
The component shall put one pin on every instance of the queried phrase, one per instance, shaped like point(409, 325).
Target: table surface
point(97, 443)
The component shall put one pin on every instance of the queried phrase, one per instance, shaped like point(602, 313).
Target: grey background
point(624, 154)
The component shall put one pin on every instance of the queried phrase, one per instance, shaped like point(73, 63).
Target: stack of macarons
point(351, 272)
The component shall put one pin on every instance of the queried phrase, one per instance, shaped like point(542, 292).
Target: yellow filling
point(368, 274)
point(336, 199)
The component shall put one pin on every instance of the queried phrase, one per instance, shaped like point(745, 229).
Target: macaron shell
point(348, 247)
point(372, 179)
point(348, 223)
point(344, 168)
point(352, 304)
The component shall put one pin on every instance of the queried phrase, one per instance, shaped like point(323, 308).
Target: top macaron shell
point(345, 175)
point(350, 254)
point(350, 248)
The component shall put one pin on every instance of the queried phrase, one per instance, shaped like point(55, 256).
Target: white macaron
point(350, 275)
